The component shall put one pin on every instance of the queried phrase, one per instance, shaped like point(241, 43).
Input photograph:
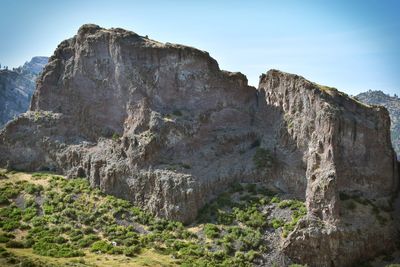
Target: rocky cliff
point(162, 126)
point(16, 88)
point(392, 104)
point(347, 152)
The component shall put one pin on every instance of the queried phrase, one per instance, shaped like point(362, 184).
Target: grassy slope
point(62, 222)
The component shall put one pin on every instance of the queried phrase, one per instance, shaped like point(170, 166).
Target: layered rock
point(16, 88)
point(347, 151)
point(158, 124)
point(162, 126)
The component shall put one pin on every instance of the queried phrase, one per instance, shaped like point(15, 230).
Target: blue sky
point(351, 45)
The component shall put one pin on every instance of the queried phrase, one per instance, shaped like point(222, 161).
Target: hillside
point(392, 103)
point(17, 86)
point(161, 126)
point(50, 220)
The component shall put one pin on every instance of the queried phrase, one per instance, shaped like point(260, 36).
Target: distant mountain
point(17, 86)
point(392, 103)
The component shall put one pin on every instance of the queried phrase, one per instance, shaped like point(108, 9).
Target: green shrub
point(9, 225)
point(116, 250)
point(4, 200)
point(45, 248)
point(88, 240)
point(102, 246)
point(251, 217)
point(211, 230)
point(275, 199)
point(224, 217)
point(32, 188)
point(28, 214)
point(5, 237)
point(276, 223)
point(115, 137)
point(292, 204)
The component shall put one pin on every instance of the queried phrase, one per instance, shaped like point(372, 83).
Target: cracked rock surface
point(162, 126)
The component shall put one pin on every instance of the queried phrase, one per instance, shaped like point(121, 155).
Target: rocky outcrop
point(16, 88)
point(162, 126)
point(392, 104)
point(158, 124)
point(347, 151)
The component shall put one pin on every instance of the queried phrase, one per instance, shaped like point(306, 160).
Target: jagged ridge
point(162, 126)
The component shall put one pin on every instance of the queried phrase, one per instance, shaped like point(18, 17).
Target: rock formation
point(16, 88)
point(392, 104)
point(347, 153)
point(162, 126)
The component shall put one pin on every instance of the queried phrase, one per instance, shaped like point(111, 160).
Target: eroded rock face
point(162, 126)
point(16, 88)
point(347, 150)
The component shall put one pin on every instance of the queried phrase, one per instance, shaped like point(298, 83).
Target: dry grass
point(146, 258)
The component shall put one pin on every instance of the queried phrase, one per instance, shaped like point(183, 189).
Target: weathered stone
point(392, 103)
point(347, 151)
point(162, 126)
point(16, 88)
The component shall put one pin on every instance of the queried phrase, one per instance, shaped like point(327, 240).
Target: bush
point(28, 214)
point(251, 217)
point(211, 230)
point(32, 188)
point(45, 248)
point(224, 217)
point(132, 251)
point(115, 137)
point(276, 223)
point(102, 246)
point(275, 199)
point(4, 239)
point(292, 204)
point(4, 200)
point(88, 240)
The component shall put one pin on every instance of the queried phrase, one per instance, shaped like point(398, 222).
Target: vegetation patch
point(51, 218)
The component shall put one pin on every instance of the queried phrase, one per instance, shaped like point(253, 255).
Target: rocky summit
point(392, 103)
point(162, 126)
point(16, 88)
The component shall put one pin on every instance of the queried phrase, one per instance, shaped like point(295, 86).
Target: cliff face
point(16, 88)
point(392, 104)
point(346, 148)
point(162, 126)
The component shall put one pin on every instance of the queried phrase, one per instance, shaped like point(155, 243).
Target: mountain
point(392, 103)
point(17, 86)
point(162, 126)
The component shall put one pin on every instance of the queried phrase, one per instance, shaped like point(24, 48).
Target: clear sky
point(352, 45)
